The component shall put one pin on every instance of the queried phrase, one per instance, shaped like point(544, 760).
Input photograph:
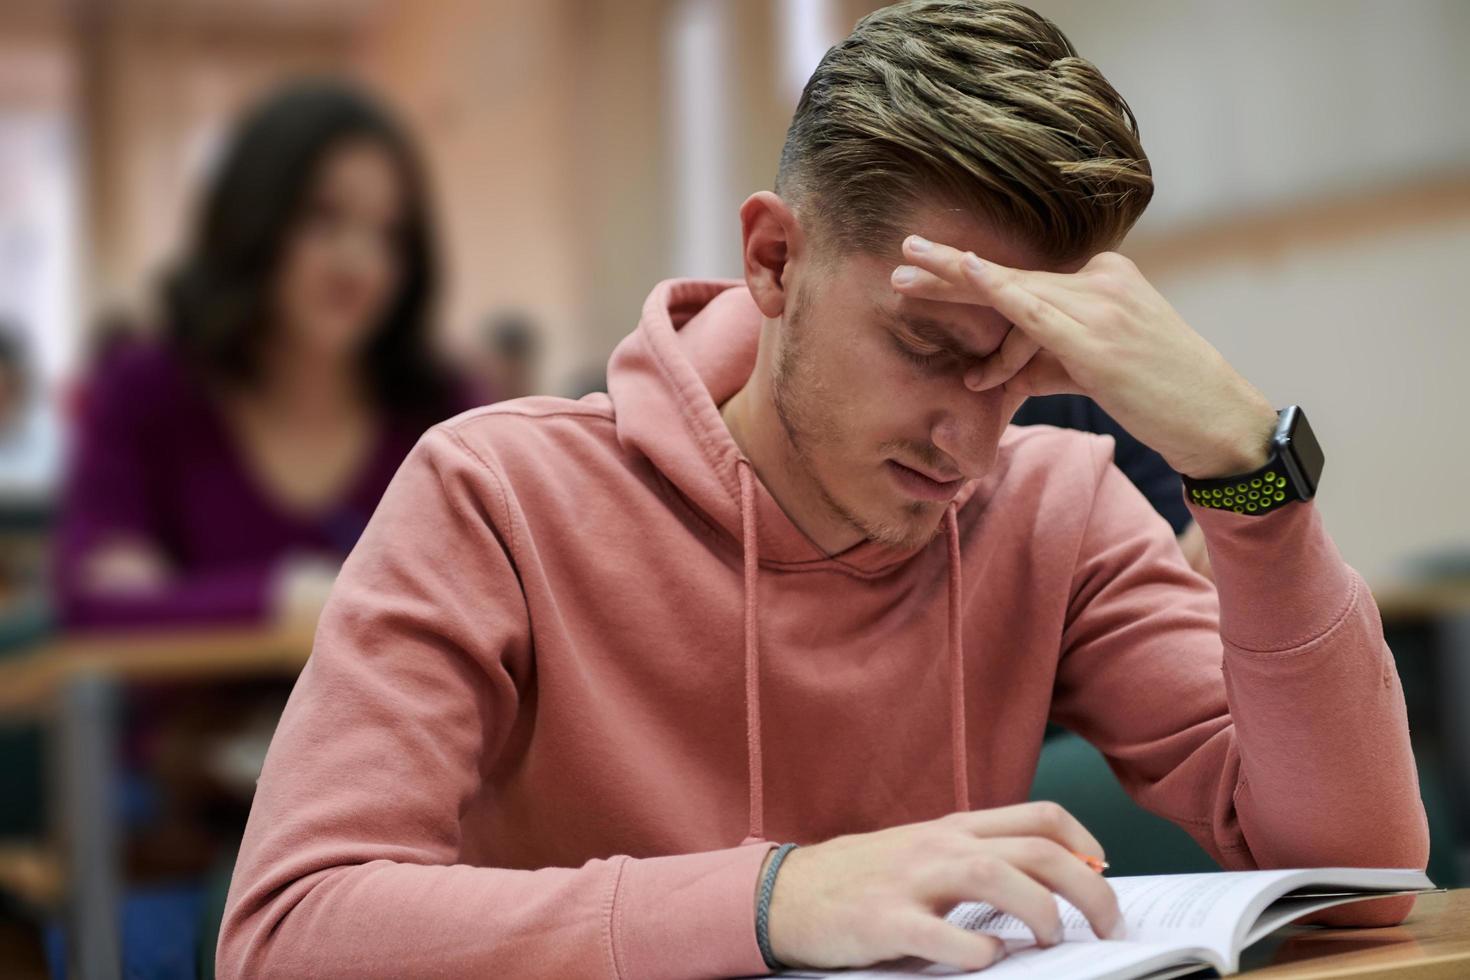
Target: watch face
point(1301, 451)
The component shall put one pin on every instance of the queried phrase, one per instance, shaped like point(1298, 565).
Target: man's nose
point(967, 429)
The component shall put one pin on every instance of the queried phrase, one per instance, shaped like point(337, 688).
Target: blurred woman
point(223, 472)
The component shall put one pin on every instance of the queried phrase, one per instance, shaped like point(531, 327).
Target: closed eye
point(927, 343)
point(929, 358)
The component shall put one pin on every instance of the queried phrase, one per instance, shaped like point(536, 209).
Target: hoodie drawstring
point(751, 555)
point(957, 743)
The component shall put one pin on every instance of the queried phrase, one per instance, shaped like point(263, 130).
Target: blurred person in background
point(508, 354)
point(1144, 468)
point(223, 472)
point(224, 468)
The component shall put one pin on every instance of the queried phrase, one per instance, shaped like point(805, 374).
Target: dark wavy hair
point(217, 301)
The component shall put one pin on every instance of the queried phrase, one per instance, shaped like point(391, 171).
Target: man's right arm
point(351, 863)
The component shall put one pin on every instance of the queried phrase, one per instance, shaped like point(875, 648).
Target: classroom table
point(75, 684)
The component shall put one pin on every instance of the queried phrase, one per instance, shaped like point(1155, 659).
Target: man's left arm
point(1312, 756)
point(1266, 717)
point(1314, 696)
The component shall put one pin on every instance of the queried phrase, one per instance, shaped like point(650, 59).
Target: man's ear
point(772, 240)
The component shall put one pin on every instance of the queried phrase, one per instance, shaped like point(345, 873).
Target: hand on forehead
point(949, 300)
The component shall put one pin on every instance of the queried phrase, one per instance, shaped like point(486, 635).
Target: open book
point(1177, 924)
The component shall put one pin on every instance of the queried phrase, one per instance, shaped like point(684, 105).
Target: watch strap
point(1255, 493)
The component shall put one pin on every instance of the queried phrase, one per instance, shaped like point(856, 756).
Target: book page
point(1170, 909)
point(1203, 909)
point(1220, 910)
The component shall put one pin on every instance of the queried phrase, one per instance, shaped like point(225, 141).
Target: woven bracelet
point(763, 907)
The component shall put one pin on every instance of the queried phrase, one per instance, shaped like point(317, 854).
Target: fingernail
point(973, 379)
point(904, 274)
point(1119, 930)
point(918, 244)
point(972, 264)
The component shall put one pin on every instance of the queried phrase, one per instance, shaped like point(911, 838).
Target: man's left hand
point(1105, 332)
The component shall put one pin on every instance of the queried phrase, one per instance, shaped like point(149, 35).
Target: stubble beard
point(800, 405)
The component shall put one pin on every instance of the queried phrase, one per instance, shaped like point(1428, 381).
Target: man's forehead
point(965, 230)
point(969, 330)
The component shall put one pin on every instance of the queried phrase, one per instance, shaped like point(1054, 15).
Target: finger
point(990, 876)
point(956, 267)
point(1061, 872)
point(1044, 374)
point(917, 283)
point(1011, 356)
point(1028, 299)
point(935, 939)
point(1041, 818)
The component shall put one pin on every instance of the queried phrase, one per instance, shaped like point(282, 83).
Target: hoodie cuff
point(1281, 580)
point(689, 915)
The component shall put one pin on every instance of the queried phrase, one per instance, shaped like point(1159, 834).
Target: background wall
point(1312, 163)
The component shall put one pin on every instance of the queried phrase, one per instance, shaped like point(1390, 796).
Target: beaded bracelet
point(763, 907)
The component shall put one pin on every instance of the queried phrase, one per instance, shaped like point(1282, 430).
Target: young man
point(794, 580)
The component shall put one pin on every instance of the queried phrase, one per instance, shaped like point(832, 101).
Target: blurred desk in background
point(77, 683)
point(1427, 600)
point(31, 682)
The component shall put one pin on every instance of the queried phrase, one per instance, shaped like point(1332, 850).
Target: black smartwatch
point(1292, 473)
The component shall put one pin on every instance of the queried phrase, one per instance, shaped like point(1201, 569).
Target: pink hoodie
point(581, 670)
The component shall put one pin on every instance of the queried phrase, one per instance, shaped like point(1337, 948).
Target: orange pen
point(1095, 863)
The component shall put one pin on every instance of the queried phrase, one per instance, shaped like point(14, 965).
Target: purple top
point(154, 459)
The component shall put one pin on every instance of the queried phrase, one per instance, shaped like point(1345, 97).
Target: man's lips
point(936, 477)
point(921, 484)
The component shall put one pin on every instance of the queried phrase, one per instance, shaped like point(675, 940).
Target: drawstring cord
point(751, 555)
point(957, 741)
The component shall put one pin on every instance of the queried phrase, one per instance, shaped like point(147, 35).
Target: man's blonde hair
point(975, 104)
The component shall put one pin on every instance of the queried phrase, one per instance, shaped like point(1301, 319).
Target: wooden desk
point(74, 683)
point(1433, 944)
